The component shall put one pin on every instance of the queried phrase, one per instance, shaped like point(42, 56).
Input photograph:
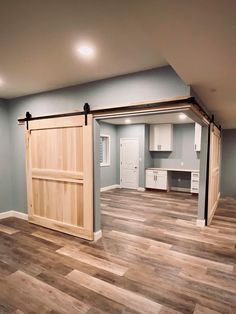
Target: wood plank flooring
point(152, 259)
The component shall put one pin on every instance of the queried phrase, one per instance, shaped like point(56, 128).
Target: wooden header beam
point(165, 104)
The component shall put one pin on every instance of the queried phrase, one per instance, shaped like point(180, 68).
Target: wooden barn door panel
point(214, 172)
point(60, 175)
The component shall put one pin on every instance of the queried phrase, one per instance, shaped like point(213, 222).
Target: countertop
point(174, 169)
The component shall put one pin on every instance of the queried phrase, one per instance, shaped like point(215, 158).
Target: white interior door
point(129, 163)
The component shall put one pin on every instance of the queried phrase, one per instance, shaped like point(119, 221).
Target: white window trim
point(109, 151)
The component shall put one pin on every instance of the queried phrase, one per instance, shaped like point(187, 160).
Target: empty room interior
point(117, 157)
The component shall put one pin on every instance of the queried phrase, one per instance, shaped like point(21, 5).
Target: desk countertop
point(173, 169)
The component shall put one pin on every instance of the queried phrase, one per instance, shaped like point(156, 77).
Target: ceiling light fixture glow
point(182, 116)
point(127, 121)
point(1, 82)
point(85, 51)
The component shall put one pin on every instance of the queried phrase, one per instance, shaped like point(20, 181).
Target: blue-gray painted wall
point(228, 163)
point(5, 159)
point(109, 175)
point(119, 91)
point(183, 150)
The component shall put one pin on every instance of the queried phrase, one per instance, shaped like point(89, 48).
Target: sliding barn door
point(214, 172)
point(60, 174)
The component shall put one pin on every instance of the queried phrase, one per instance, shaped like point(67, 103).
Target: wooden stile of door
point(214, 172)
point(60, 174)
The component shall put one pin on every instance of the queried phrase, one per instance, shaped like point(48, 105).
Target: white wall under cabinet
point(156, 179)
point(197, 137)
point(161, 137)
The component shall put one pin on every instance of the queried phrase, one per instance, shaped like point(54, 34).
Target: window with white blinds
point(104, 151)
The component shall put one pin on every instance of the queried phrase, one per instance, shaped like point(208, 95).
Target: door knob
point(135, 167)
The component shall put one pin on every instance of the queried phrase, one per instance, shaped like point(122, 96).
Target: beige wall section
point(60, 174)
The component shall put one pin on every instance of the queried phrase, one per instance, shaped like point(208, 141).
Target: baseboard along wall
point(110, 187)
point(201, 223)
point(117, 186)
point(12, 213)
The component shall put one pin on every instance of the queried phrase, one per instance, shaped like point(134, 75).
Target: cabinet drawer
point(160, 173)
point(195, 185)
point(194, 190)
point(195, 182)
point(195, 175)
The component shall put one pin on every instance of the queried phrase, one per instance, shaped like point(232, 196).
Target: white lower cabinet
point(195, 182)
point(156, 179)
point(150, 179)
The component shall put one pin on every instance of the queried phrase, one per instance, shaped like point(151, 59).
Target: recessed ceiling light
point(127, 121)
point(182, 116)
point(86, 51)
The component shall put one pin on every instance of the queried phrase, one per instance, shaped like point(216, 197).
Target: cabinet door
point(197, 141)
point(165, 137)
point(153, 137)
point(161, 137)
point(161, 180)
point(150, 182)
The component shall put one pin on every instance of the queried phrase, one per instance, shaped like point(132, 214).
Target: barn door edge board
point(213, 172)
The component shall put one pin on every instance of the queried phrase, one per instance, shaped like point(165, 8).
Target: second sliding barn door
point(60, 174)
point(214, 172)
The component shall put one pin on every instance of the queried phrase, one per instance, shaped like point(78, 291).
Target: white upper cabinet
point(161, 137)
point(197, 141)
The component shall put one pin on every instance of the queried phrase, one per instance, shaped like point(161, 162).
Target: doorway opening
point(154, 167)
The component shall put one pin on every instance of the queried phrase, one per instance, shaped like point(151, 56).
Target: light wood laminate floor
point(152, 259)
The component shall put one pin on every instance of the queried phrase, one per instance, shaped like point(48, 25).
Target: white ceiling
point(198, 39)
point(150, 119)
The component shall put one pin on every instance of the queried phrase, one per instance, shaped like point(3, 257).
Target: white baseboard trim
point(6, 214)
point(20, 215)
point(201, 222)
point(110, 187)
point(13, 213)
point(97, 235)
point(178, 189)
point(141, 189)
